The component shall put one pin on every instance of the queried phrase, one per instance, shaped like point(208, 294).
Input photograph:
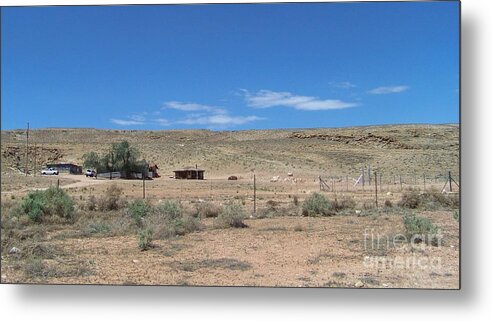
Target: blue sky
point(230, 66)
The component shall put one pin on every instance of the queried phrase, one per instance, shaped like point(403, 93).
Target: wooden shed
point(189, 173)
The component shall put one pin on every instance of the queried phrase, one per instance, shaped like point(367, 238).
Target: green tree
point(121, 157)
point(125, 157)
point(92, 160)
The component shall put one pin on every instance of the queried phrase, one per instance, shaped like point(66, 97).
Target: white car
point(90, 173)
point(49, 171)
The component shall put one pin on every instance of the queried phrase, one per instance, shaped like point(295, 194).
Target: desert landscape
point(297, 214)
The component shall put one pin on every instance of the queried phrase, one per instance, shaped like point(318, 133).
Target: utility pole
point(27, 149)
point(34, 159)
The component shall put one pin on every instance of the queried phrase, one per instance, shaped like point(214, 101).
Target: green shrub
point(138, 209)
point(33, 205)
point(420, 229)
point(169, 209)
point(48, 203)
point(111, 200)
point(317, 205)
point(98, 228)
point(167, 220)
point(232, 215)
point(145, 239)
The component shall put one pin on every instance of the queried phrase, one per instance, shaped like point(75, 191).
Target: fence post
point(401, 186)
point(254, 195)
point(363, 177)
point(376, 187)
point(27, 149)
point(380, 182)
point(369, 174)
point(450, 182)
point(143, 184)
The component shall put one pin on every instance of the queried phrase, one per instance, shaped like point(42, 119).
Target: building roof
point(189, 168)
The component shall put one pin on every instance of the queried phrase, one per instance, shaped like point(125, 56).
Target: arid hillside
point(393, 149)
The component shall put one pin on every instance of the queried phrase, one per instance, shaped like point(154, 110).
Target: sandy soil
point(327, 252)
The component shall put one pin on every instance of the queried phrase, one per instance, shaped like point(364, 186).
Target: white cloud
point(219, 120)
point(124, 122)
point(388, 90)
point(162, 121)
point(267, 99)
point(343, 84)
point(138, 118)
point(193, 107)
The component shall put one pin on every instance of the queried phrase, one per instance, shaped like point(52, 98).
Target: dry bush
point(343, 203)
point(90, 204)
point(429, 200)
point(410, 199)
point(271, 210)
point(232, 215)
point(208, 209)
point(388, 203)
point(111, 200)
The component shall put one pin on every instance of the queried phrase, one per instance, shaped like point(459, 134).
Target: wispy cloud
point(388, 90)
point(193, 107)
point(137, 118)
point(162, 121)
point(126, 122)
point(343, 84)
point(219, 120)
point(268, 98)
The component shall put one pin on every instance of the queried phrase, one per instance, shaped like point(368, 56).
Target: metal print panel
point(261, 145)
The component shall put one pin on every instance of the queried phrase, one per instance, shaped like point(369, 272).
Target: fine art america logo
point(413, 252)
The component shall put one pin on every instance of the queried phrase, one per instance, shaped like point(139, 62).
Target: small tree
point(125, 157)
point(92, 160)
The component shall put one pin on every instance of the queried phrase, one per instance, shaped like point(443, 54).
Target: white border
point(174, 303)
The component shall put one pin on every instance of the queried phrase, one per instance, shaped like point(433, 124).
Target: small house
point(189, 173)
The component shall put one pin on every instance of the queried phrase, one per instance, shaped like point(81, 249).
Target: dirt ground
point(293, 251)
point(284, 249)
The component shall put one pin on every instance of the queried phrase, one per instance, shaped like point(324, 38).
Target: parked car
point(49, 171)
point(90, 173)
